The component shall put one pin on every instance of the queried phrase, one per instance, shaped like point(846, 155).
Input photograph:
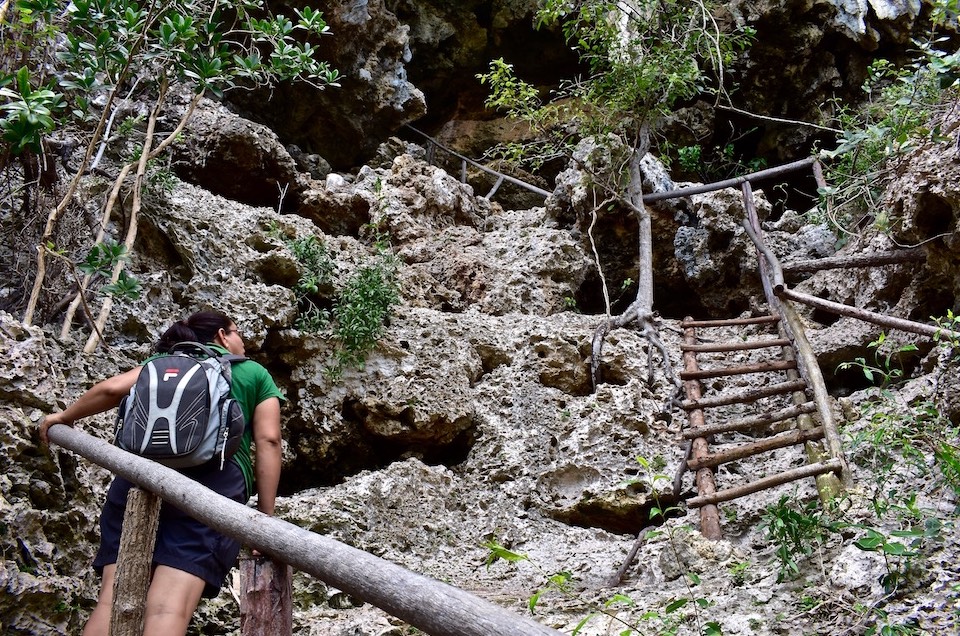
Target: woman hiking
point(190, 560)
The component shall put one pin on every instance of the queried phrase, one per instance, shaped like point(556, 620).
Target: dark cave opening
point(363, 451)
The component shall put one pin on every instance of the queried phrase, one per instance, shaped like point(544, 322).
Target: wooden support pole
point(747, 345)
point(429, 605)
point(266, 598)
point(790, 438)
point(810, 470)
point(855, 260)
point(134, 563)
point(746, 396)
point(706, 486)
point(496, 186)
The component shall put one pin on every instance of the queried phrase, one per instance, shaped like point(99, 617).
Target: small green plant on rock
point(882, 371)
point(796, 530)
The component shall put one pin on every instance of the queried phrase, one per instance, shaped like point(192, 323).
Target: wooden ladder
point(794, 418)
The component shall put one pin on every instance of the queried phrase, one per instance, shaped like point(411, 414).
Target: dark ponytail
point(199, 327)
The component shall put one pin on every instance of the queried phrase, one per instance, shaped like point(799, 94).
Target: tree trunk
point(134, 563)
point(266, 603)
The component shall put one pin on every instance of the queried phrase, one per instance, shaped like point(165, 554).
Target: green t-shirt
point(252, 384)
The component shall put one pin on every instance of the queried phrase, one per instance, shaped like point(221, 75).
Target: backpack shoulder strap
point(188, 346)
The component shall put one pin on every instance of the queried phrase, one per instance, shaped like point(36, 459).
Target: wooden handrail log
point(867, 316)
point(429, 605)
point(508, 178)
point(855, 260)
point(728, 183)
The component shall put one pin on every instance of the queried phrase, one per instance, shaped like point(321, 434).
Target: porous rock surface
point(473, 420)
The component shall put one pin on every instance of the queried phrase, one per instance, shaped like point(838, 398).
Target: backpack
point(180, 413)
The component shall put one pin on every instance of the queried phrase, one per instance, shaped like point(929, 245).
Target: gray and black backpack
point(180, 412)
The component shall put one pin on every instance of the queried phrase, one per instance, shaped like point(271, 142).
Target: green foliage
point(796, 530)
point(948, 330)
point(738, 572)
point(895, 444)
point(28, 113)
point(361, 311)
point(360, 307)
point(97, 46)
point(643, 59)
point(101, 260)
point(901, 113)
point(882, 371)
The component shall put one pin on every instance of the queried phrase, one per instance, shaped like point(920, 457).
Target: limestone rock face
point(48, 498)
point(924, 207)
point(345, 124)
point(474, 421)
point(236, 158)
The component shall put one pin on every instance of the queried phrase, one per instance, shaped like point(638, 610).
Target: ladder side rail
point(809, 368)
point(706, 485)
point(434, 607)
point(828, 484)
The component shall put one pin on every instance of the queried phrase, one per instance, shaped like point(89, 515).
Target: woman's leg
point(171, 601)
point(99, 622)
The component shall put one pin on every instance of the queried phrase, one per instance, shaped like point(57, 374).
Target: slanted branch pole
point(806, 360)
point(828, 484)
point(429, 605)
point(134, 563)
point(868, 316)
point(855, 260)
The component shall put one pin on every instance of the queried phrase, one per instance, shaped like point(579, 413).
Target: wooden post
point(266, 597)
point(706, 486)
point(134, 563)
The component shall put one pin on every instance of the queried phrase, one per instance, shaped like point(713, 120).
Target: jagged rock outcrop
point(474, 418)
point(344, 125)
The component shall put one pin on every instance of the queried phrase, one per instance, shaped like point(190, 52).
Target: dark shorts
point(182, 542)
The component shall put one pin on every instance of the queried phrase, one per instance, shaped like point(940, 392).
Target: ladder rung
point(811, 470)
point(734, 346)
point(759, 320)
point(761, 367)
point(750, 422)
point(746, 396)
point(790, 438)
